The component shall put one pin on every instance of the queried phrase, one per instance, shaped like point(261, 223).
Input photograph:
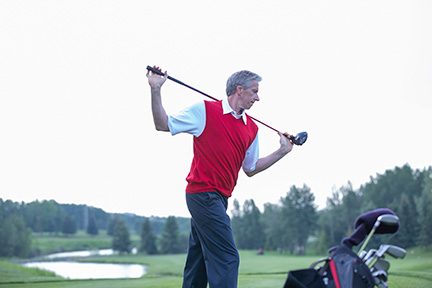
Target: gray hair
point(242, 78)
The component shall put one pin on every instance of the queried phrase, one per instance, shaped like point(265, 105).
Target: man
point(225, 140)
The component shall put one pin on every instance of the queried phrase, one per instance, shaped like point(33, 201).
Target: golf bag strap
point(335, 274)
point(314, 264)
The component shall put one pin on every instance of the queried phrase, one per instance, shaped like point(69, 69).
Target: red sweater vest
point(219, 151)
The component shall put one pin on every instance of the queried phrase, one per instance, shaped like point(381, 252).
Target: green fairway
point(268, 270)
point(44, 244)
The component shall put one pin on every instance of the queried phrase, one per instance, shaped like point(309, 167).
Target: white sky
point(75, 117)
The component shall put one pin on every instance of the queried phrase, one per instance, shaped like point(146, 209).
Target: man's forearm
point(160, 117)
point(265, 162)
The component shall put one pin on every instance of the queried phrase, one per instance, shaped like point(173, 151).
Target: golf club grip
point(180, 82)
point(162, 74)
point(154, 70)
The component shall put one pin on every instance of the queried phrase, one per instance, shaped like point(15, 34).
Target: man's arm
point(160, 118)
point(265, 162)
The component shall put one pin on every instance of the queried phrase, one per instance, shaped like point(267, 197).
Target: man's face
point(250, 95)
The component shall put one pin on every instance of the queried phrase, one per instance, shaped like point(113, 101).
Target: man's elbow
point(250, 173)
point(162, 127)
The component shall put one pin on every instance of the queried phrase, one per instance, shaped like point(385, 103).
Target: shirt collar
point(227, 109)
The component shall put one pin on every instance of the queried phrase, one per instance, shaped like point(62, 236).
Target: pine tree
point(69, 225)
point(148, 240)
point(300, 212)
point(424, 204)
point(15, 237)
point(92, 228)
point(252, 229)
point(170, 237)
point(121, 239)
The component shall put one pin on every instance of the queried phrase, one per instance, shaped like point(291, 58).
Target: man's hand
point(286, 144)
point(156, 80)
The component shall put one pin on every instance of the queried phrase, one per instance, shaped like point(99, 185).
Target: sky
point(75, 116)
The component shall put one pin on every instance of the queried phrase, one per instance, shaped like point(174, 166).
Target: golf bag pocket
point(305, 278)
point(344, 269)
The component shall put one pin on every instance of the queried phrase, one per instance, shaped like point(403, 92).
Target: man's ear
point(239, 90)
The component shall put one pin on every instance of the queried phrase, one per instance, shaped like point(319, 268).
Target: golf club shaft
point(367, 240)
point(205, 94)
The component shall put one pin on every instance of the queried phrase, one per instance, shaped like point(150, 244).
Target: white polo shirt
point(192, 120)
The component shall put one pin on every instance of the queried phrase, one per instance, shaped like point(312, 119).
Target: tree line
point(294, 223)
point(18, 222)
point(291, 225)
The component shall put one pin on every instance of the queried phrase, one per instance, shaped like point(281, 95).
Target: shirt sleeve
point(190, 120)
point(252, 155)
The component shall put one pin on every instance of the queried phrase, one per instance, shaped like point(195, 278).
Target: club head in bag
point(387, 220)
point(380, 274)
point(381, 264)
point(386, 223)
point(382, 285)
point(392, 250)
point(396, 252)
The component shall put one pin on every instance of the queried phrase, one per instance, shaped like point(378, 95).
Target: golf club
point(362, 254)
point(298, 139)
point(392, 250)
point(369, 255)
point(380, 278)
point(387, 219)
point(381, 264)
point(381, 275)
point(396, 252)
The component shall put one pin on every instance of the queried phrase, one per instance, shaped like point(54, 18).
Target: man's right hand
point(156, 80)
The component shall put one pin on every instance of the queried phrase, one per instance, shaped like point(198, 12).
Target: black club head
point(300, 138)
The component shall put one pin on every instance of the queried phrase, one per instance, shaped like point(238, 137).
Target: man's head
point(242, 78)
point(242, 90)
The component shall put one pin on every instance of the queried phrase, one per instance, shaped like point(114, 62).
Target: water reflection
point(87, 253)
point(76, 270)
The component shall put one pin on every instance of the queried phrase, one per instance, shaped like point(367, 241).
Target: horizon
point(261, 208)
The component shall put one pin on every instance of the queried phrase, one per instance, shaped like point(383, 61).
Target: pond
point(77, 270)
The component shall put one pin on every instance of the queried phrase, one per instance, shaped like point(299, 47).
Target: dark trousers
point(212, 254)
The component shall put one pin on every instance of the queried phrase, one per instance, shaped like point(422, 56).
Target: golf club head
point(381, 275)
point(389, 219)
point(382, 249)
point(300, 138)
point(396, 251)
point(381, 264)
point(370, 222)
point(370, 218)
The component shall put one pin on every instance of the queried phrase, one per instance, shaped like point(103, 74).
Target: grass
point(11, 272)
point(269, 270)
point(165, 271)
